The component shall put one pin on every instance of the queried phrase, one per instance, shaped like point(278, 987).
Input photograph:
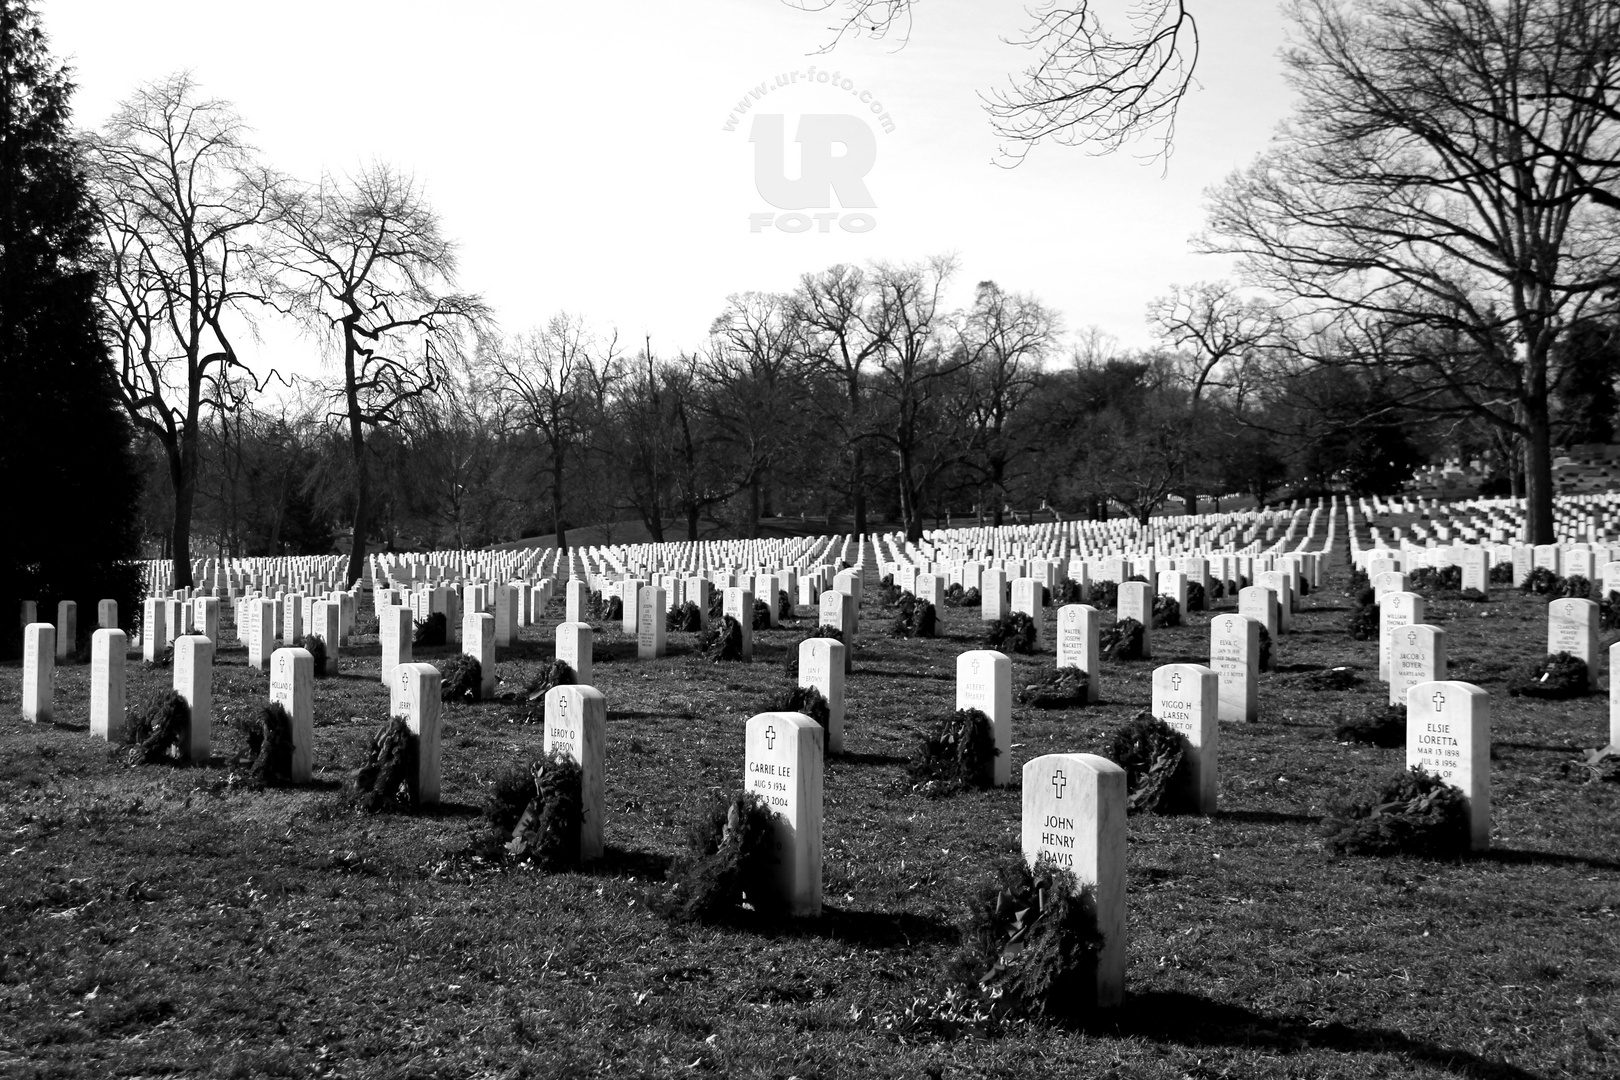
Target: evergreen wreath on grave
point(762, 615)
point(1357, 582)
point(684, 619)
point(1555, 678)
point(1501, 574)
point(554, 673)
point(1364, 622)
point(270, 746)
point(1264, 660)
point(971, 598)
point(1104, 594)
point(889, 594)
point(1067, 592)
point(538, 811)
point(1413, 813)
point(461, 678)
point(1030, 944)
point(387, 773)
point(784, 606)
point(315, 645)
point(613, 611)
point(1593, 766)
point(1066, 688)
point(1138, 577)
point(723, 640)
point(430, 631)
point(730, 846)
point(1166, 612)
point(1609, 612)
point(158, 730)
point(960, 754)
point(1473, 596)
point(1578, 586)
point(163, 659)
point(1122, 641)
point(953, 594)
point(1217, 589)
point(915, 619)
point(1429, 579)
point(1305, 584)
point(596, 605)
point(1195, 597)
point(798, 699)
point(1542, 581)
point(717, 604)
point(1158, 774)
point(370, 626)
point(1378, 724)
point(1014, 632)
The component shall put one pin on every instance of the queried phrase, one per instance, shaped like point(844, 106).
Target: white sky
point(578, 151)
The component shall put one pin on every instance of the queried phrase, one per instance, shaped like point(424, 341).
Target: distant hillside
point(635, 532)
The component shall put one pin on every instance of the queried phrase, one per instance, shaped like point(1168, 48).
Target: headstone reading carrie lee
point(292, 686)
point(1136, 602)
point(1417, 655)
point(984, 682)
point(784, 768)
point(194, 681)
point(576, 725)
point(1448, 733)
point(39, 672)
point(1234, 656)
point(1074, 814)
point(1572, 627)
point(1078, 628)
point(575, 641)
point(1187, 697)
point(821, 665)
point(416, 697)
point(108, 650)
point(394, 631)
point(651, 624)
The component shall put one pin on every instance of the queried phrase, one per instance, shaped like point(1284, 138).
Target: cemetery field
point(168, 921)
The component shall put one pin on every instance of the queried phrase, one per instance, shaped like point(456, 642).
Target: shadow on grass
point(865, 759)
point(1513, 857)
point(871, 929)
point(1268, 817)
point(1193, 1021)
point(623, 862)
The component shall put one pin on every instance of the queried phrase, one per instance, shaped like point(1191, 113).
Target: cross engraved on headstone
point(1074, 616)
point(1058, 782)
point(975, 666)
point(1411, 637)
point(1175, 682)
point(770, 738)
point(1231, 624)
point(1439, 700)
point(562, 704)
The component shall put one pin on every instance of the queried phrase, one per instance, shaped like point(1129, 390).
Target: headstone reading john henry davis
point(1074, 813)
point(576, 725)
point(784, 762)
point(39, 672)
point(821, 665)
point(1234, 656)
point(416, 697)
point(575, 641)
point(984, 682)
point(1077, 633)
point(292, 686)
point(194, 681)
point(1572, 627)
point(108, 650)
point(1187, 697)
point(1136, 602)
point(1448, 734)
point(1417, 655)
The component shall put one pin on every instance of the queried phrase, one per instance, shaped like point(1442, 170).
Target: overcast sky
point(579, 152)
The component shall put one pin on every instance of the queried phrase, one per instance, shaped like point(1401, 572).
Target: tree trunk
point(1538, 479)
point(1189, 499)
point(556, 509)
point(362, 508)
point(183, 475)
point(857, 487)
point(692, 521)
point(753, 507)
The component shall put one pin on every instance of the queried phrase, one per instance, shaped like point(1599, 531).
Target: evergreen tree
point(65, 446)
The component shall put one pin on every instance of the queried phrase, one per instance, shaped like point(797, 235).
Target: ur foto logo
point(836, 152)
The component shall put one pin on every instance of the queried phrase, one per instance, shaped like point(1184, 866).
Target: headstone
point(836, 609)
point(1187, 697)
point(326, 622)
point(1136, 602)
point(699, 591)
point(478, 642)
point(153, 621)
point(39, 672)
point(993, 594)
point(1572, 627)
point(1260, 604)
point(740, 606)
point(292, 619)
point(67, 628)
point(930, 590)
point(194, 681)
point(1074, 814)
point(1417, 655)
point(1280, 583)
point(1387, 582)
point(651, 623)
point(1396, 610)
point(1448, 733)
point(1234, 656)
point(107, 615)
point(1614, 695)
point(574, 648)
point(292, 686)
point(1078, 627)
point(784, 768)
point(1027, 598)
point(1476, 570)
point(508, 611)
point(821, 665)
point(577, 597)
point(394, 631)
point(984, 682)
point(205, 617)
point(416, 697)
point(260, 613)
point(629, 589)
point(109, 648)
point(576, 725)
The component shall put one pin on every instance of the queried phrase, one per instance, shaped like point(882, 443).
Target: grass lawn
point(161, 921)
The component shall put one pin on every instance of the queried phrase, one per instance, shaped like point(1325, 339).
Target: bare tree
point(1408, 202)
point(1089, 84)
point(180, 201)
point(557, 379)
point(364, 262)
